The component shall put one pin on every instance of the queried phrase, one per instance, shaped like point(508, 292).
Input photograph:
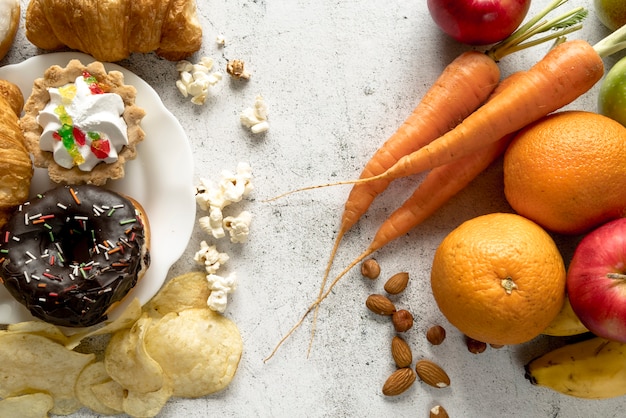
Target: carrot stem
point(613, 43)
point(562, 25)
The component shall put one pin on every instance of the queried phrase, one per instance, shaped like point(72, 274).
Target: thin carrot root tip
point(323, 295)
point(329, 265)
point(317, 186)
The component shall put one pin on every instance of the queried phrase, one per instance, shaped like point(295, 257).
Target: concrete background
point(339, 77)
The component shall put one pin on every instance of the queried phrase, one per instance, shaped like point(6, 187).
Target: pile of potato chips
point(175, 346)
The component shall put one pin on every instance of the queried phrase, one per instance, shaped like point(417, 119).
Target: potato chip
point(198, 349)
point(32, 405)
point(137, 404)
point(110, 394)
point(39, 328)
point(94, 374)
point(187, 291)
point(128, 363)
point(126, 319)
point(32, 363)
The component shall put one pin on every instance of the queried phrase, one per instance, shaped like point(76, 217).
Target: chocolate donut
point(71, 253)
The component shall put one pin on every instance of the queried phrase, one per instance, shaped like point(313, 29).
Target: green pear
point(612, 13)
point(612, 93)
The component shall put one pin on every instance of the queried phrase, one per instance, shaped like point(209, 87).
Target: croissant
point(16, 169)
point(111, 30)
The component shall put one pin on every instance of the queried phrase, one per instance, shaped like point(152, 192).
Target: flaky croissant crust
point(110, 30)
point(16, 169)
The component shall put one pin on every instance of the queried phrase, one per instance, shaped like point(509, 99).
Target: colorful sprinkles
point(64, 227)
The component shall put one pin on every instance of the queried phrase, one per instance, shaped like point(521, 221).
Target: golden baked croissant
point(111, 30)
point(16, 169)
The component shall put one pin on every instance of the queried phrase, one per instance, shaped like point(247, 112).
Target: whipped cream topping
point(82, 124)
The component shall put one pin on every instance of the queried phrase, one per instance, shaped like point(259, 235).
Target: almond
point(380, 304)
point(399, 381)
point(438, 411)
point(402, 320)
point(401, 352)
point(432, 374)
point(397, 283)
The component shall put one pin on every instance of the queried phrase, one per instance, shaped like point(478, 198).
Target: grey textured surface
point(339, 77)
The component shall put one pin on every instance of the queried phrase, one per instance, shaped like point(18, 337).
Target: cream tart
point(82, 124)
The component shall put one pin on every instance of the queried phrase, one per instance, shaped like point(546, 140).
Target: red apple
point(478, 22)
point(596, 280)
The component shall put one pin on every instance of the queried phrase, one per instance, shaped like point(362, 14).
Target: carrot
point(460, 89)
point(441, 184)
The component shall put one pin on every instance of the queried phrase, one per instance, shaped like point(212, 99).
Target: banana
point(591, 369)
point(566, 323)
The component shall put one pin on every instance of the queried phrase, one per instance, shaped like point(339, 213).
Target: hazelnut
point(475, 346)
point(370, 269)
point(402, 320)
point(436, 334)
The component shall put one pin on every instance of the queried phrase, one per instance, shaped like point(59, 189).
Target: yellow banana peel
point(591, 369)
point(566, 323)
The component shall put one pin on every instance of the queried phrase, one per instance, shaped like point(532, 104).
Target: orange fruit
point(567, 171)
point(499, 278)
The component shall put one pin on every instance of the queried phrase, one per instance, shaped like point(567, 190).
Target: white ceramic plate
point(160, 178)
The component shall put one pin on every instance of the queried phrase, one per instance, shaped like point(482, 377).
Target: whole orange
point(499, 278)
point(567, 171)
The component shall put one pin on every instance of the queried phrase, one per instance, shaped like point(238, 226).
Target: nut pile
point(402, 320)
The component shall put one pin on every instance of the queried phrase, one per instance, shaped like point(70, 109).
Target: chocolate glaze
point(66, 261)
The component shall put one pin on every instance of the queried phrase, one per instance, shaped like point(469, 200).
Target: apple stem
point(616, 276)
